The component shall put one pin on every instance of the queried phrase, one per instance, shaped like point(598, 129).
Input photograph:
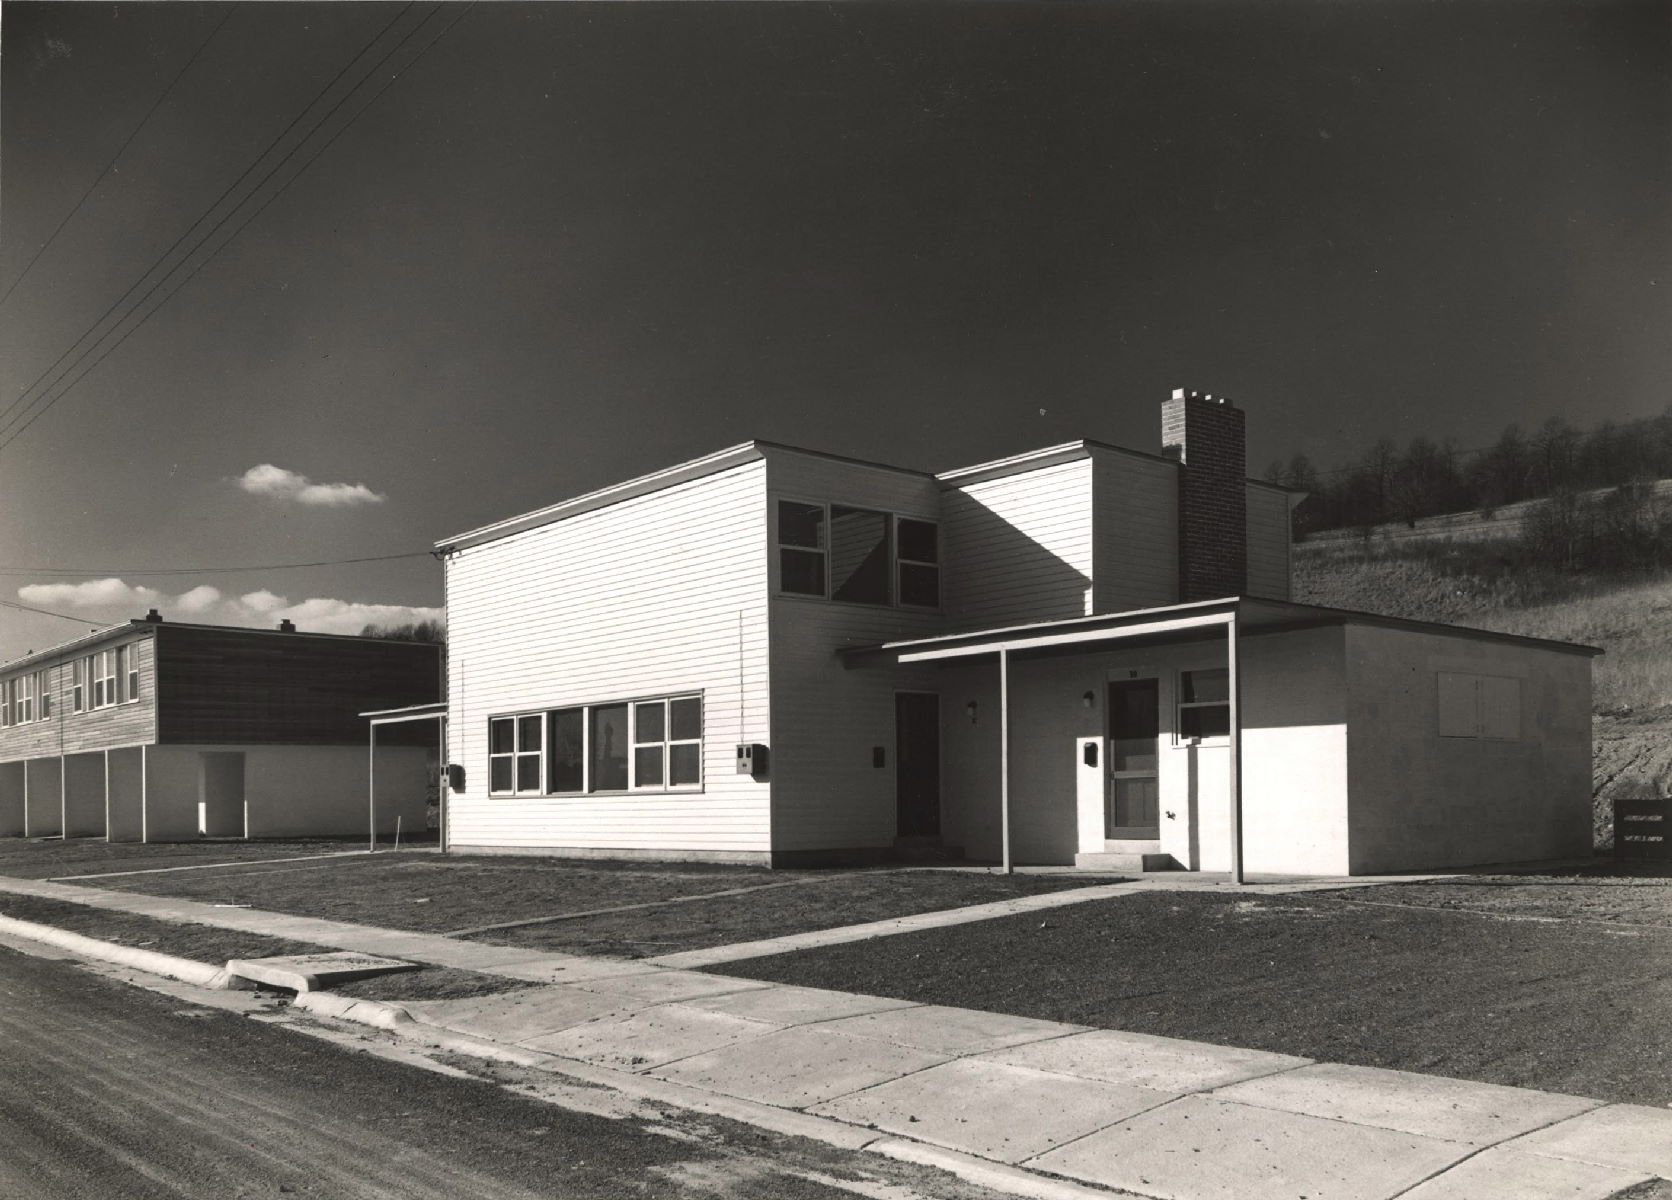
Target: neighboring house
point(158, 731)
point(1079, 654)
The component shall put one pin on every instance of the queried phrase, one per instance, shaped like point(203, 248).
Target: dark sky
point(574, 242)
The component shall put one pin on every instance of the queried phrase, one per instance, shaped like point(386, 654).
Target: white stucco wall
point(11, 799)
point(1294, 754)
point(1423, 801)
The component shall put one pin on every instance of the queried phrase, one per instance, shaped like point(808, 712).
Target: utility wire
point(109, 571)
point(192, 228)
point(92, 187)
point(17, 429)
point(47, 613)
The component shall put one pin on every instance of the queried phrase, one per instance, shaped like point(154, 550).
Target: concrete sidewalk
point(1154, 1116)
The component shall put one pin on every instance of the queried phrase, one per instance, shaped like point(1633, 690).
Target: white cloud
point(259, 609)
point(90, 593)
point(268, 480)
point(200, 599)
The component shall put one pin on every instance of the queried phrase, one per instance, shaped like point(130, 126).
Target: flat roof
point(1178, 623)
point(141, 625)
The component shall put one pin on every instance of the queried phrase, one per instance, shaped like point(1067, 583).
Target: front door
point(917, 763)
point(1134, 805)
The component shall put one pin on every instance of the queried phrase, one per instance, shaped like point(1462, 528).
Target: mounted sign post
point(1234, 689)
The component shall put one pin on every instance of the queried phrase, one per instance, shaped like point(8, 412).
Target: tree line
point(1428, 478)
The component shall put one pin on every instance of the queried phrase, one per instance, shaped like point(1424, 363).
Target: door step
point(1120, 860)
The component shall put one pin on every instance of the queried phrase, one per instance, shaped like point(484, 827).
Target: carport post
point(1004, 754)
point(1234, 690)
point(371, 784)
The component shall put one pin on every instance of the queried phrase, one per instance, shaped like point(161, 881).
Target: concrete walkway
point(1154, 1116)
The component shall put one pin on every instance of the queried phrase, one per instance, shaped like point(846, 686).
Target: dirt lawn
point(1399, 976)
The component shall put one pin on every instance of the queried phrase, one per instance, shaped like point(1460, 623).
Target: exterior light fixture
point(1089, 700)
point(970, 709)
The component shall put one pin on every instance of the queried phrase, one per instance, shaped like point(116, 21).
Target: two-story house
point(163, 731)
point(1079, 654)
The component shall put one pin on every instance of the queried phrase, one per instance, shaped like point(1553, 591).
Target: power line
point(92, 187)
point(48, 613)
point(12, 434)
point(155, 571)
point(192, 228)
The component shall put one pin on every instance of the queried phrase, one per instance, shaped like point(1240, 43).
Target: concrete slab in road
point(1630, 1136)
point(797, 1067)
point(1454, 1109)
point(997, 1111)
point(641, 1040)
point(950, 1030)
point(1199, 1148)
point(1511, 1175)
point(1165, 1064)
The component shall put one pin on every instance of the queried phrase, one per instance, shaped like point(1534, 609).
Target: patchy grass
point(44, 858)
point(209, 944)
point(1560, 1005)
point(1636, 893)
point(435, 894)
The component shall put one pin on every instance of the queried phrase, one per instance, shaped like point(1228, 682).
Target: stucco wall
point(11, 799)
point(126, 822)
point(1294, 754)
point(298, 790)
point(43, 798)
point(84, 795)
point(1424, 801)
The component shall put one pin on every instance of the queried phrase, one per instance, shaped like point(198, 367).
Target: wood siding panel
point(1268, 543)
point(1137, 532)
point(664, 593)
point(225, 686)
point(129, 724)
point(1019, 548)
point(826, 719)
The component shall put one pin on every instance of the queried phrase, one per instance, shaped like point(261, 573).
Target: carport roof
point(1171, 624)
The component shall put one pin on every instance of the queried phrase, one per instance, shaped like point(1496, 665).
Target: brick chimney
point(287, 626)
point(1206, 436)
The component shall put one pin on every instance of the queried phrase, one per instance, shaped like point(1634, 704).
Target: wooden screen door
point(1134, 798)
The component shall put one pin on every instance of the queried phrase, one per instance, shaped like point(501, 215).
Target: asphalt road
point(108, 1090)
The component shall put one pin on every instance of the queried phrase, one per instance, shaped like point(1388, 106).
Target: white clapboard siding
point(660, 594)
point(1136, 519)
point(1019, 547)
point(1268, 542)
point(827, 717)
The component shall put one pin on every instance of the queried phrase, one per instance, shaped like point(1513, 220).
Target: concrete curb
point(150, 961)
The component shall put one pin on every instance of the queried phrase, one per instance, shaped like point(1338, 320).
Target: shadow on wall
point(997, 573)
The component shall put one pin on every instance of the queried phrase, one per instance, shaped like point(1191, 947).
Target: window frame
point(79, 691)
point(586, 711)
point(127, 671)
point(1181, 706)
point(6, 710)
point(518, 752)
point(891, 531)
point(901, 561)
point(43, 694)
point(104, 678)
point(23, 708)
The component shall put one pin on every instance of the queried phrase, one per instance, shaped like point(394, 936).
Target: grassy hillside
point(1487, 582)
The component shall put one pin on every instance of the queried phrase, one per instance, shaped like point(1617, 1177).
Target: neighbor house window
point(630, 745)
point(514, 753)
point(43, 689)
point(918, 563)
point(1204, 704)
point(131, 673)
point(1486, 707)
point(104, 678)
point(78, 685)
point(6, 698)
point(24, 710)
point(801, 549)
